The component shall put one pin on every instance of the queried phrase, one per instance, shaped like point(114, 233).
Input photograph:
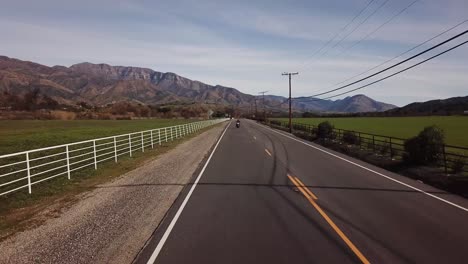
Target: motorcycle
point(238, 124)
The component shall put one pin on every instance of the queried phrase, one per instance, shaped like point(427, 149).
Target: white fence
point(24, 169)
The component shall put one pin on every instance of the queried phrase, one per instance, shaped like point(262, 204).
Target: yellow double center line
point(311, 197)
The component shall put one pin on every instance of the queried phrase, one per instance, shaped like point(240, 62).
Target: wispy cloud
point(243, 44)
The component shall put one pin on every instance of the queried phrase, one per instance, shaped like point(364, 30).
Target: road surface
point(267, 197)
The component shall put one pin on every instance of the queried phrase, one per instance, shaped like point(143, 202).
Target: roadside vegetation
point(34, 105)
point(20, 210)
point(423, 156)
point(455, 127)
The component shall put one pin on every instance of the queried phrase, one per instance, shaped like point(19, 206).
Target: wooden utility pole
point(263, 102)
point(290, 113)
point(256, 112)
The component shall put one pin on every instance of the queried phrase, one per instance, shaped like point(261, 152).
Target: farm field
point(20, 135)
point(455, 127)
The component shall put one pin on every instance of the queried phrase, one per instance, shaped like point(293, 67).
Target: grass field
point(455, 127)
point(18, 209)
point(20, 135)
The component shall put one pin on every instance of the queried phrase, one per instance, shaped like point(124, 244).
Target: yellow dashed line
point(330, 222)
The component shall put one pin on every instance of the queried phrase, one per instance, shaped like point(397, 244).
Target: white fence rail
point(24, 169)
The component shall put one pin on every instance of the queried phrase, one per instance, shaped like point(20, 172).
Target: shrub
point(325, 130)
point(314, 131)
point(384, 148)
point(425, 148)
point(350, 137)
point(298, 127)
point(457, 166)
point(275, 122)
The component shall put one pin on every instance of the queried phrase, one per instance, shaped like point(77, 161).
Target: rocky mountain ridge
point(100, 84)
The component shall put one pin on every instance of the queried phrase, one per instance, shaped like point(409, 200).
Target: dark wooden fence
point(450, 156)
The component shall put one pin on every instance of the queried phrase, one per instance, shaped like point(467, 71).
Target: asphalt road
point(246, 207)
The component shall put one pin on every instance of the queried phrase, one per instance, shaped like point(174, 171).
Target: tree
point(49, 103)
point(325, 130)
point(30, 100)
point(426, 147)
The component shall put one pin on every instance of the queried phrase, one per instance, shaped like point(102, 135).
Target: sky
point(248, 44)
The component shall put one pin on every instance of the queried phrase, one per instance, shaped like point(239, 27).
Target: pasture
point(20, 135)
point(455, 127)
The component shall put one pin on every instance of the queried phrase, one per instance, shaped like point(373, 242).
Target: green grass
point(455, 127)
point(18, 209)
point(20, 135)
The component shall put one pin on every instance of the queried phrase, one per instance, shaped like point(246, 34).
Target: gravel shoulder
point(111, 223)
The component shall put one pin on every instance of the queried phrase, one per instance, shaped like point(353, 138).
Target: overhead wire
point(398, 72)
point(401, 54)
point(355, 28)
point(390, 67)
point(337, 33)
point(379, 27)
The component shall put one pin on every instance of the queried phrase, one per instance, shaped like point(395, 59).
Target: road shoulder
point(113, 222)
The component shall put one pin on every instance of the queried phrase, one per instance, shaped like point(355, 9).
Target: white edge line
point(160, 245)
point(376, 172)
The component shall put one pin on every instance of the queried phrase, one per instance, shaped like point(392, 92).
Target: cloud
point(242, 44)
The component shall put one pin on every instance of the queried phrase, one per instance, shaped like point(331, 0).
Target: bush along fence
point(420, 150)
point(24, 169)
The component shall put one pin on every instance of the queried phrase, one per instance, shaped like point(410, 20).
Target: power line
point(401, 54)
point(379, 27)
point(337, 33)
point(375, 30)
point(398, 72)
point(359, 25)
point(390, 67)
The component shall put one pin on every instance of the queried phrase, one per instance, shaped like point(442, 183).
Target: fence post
point(130, 143)
point(95, 155)
point(360, 141)
point(115, 149)
point(68, 162)
point(142, 143)
point(373, 143)
point(391, 148)
point(165, 133)
point(445, 159)
point(29, 172)
point(159, 136)
point(152, 145)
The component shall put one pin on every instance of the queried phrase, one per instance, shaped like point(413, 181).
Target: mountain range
point(453, 106)
point(101, 84)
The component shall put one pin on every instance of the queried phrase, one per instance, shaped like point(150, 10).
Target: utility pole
point(290, 113)
point(256, 112)
point(263, 102)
